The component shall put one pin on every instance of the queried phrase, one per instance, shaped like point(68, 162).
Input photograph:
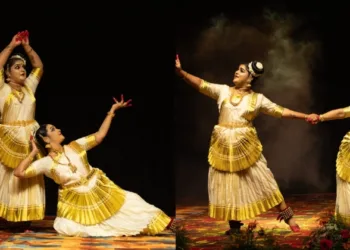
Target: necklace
point(236, 97)
point(18, 94)
point(72, 167)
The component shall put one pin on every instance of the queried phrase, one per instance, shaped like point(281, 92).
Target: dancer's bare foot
point(293, 225)
point(286, 214)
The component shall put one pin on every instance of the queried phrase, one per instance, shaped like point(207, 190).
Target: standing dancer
point(342, 205)
point(240, 184)
point(20, 201)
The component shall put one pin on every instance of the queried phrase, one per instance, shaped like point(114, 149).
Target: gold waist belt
point(19, 123)
point(235, 125)
point(82, 181)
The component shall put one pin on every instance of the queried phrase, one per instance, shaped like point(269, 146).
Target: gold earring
point(47, 146)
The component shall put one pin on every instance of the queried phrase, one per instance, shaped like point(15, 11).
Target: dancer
point(342, 205)
point(89, 203)
point(20, 201)
point(240, 184)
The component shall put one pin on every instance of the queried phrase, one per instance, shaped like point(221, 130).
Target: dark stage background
point(306, 61)
point(90, 54)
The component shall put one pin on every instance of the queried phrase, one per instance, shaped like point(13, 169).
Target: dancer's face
point(54, 134)
point(17, 72)
point(242, 76)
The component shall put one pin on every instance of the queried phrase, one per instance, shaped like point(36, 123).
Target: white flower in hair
point(18, 57)
point(259, 65)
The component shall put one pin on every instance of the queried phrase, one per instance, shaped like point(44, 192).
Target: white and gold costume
point(89, 204)
point(20, 200)
point(342, 209)
point(240, 184)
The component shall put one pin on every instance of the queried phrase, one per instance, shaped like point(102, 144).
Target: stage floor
point(206, 233)
point(45, 237)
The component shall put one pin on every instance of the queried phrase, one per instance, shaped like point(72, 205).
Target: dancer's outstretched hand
point(121, 103)
point(177, 63)
point(313, 119)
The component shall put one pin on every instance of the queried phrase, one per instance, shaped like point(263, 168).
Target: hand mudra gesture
point(121, 103)
point(177, 63)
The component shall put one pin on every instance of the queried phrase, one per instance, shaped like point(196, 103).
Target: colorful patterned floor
point(208, 234)
point(45, 237)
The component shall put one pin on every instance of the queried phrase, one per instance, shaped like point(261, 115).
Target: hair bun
point(256, 68)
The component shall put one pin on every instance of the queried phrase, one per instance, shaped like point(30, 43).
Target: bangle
point(110, 114)
point(321, 118)
point(30, 158)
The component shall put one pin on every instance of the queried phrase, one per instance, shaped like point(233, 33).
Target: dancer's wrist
point(111, 113)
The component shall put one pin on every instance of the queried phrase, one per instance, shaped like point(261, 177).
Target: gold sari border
point(17, 214)
point(37, 73)
point(203, 87)
point(345, 219)
point(13, 150)
point(278, 111)
point(236, 125)
point(234, 154)
point(90, 142)
point(94, 206)
point(19, 123)
point(207, 89)
point(343, 159)
point(245, 212)
point(158, 224)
